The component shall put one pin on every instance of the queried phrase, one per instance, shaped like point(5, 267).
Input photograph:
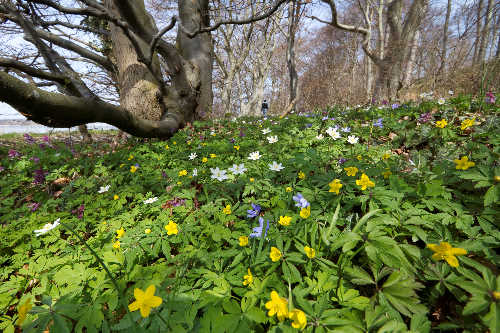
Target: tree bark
point(479, 13)
point(198, 51)
point(138, 89)
point(445, 39)
point(293, 18)
point(485, 33)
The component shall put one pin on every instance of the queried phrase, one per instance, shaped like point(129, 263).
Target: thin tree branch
point(269, 12)
point(30, 70)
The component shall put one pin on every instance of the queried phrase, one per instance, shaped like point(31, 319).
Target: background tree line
point(150, 67)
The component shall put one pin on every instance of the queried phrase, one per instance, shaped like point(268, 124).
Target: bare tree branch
point(251, 19)
point(11, 63)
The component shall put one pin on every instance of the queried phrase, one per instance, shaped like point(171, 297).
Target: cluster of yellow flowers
point(279, 306)
point(466, 123)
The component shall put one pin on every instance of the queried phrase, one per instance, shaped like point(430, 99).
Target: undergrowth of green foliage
point(358, 261)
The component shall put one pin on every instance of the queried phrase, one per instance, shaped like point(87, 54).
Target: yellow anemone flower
point(277, 306)
point(364, 182)
point(285, 220)
point(171, 228)
point(310, 252)
point(447, 252)
point(243, 240)
point(145, 301)
point(351, 171)
point(299, 319)
point(275, 254)
point(335, 186)
point(463, 163)
point(248, 279)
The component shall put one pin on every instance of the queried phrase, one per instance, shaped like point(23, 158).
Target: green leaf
point(491, 195)
point(476, 304)
point(492, 318)
point(256, 314)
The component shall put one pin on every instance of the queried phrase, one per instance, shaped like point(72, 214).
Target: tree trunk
point(198, 51)
point(293, 16)
point(138, 89)
point(85, 133)
point(485, 33)
point(445, 39)
point(478, 31)
point(398, 48)
point(381, 35)
point(497, 54)
point(411, 60)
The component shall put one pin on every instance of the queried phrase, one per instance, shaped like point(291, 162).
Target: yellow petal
point(150, 291)
point(154, 301)
point(145, 311)
point(452, 260)
point(133, 306)
point(456, 251)
point(139, 294)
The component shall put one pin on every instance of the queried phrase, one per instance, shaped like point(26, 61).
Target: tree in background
point(161, 85)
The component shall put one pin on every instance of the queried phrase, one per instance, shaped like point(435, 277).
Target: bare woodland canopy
point(149, 66)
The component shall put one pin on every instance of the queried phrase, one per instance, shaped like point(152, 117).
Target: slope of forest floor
point(380, 219)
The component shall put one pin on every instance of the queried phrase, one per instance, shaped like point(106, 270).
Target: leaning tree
point(80, 51)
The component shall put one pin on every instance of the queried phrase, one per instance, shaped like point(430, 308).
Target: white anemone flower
point(218, 174)
point(238, 169)
point(46, 228)
point(254, 156)
point(266, 131)
point(441, 101)
point(275, 166)
point(319, 137)
point(150, 200)
point(333, 133)
point(272, 139)
point(352, 139)
point(104, 189)
point(192, 156)
point(450, 92)
point(195, 172)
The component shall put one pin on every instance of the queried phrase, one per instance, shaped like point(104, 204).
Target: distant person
point(265, 107)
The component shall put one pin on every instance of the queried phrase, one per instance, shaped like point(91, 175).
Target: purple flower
point(46, 139)
point(35, 159)
point(39, 176)
point(490, 98)
point(301, 202)
point(342, 160)
point(324, 118)
point(1, 168)
point(29, 139)
point(34, 206)
point(425, 117)
point(164, 174)
point(385, 102)
point(378, 123)
point(79, 211)
point(257, 231)
point(309, 125)
point(346, 129)
point(14, 153)
point(242, 134)
point(253, 212)
point(395, 106)
point(42, 145)
point(374, 100)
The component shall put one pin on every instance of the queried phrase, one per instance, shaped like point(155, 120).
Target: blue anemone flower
point(253, 212)
point(257, 231)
